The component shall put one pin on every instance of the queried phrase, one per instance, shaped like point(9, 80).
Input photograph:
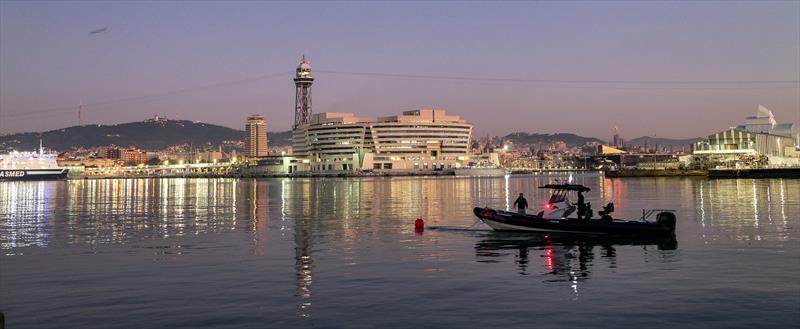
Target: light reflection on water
point(345, 235)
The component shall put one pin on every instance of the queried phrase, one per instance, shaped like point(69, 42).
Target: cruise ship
point(30, 166)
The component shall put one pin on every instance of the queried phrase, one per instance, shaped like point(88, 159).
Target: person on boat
point(581, 205)
point(589, 212)
point(605, 214)
point(521, 203)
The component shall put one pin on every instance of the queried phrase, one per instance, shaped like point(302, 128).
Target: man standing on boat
point(521, 204)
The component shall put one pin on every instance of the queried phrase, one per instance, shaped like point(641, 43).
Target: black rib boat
point(557, 219)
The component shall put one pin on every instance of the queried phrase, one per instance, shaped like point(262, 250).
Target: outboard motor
point(667, 219)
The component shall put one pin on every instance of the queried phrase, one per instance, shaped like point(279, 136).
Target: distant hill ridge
point(664, 142)
point(576, 140)
point(151, 134)
point(156, 134)
point(570, 139)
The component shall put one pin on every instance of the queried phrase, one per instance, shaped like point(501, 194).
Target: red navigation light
point(547, 206)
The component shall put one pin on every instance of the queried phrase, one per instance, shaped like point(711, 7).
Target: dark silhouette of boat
point(556, 217)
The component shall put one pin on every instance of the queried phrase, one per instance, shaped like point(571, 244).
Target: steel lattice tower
point(302, 103)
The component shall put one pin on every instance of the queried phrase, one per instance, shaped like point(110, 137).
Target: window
point(376, 165)
point(387, 166)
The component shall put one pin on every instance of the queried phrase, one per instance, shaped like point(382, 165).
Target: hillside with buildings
point(151, 134)
point(647, 142)
point(521, 138)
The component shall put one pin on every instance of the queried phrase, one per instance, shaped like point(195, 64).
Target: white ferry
point(30, 166)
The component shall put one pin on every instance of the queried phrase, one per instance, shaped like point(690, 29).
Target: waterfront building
point(424, 139)
point(256, 137)
point(208, 156)
point(337, 142)
point(88, 162)
point(736, 141)
point(764, 122)
point(759, 141)
point(608, 150)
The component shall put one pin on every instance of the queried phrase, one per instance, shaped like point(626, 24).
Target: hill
point(663, 142)
point(151, 134)
point(568, 138)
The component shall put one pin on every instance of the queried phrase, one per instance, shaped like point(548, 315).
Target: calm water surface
point(225, 253)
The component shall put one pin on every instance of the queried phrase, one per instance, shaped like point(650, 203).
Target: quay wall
point(755, 173)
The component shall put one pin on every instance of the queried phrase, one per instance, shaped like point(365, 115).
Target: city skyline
point(473, 60)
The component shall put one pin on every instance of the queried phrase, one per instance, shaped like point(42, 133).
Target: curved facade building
point(425, 139)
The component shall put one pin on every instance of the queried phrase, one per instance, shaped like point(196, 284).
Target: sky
point(665, 69)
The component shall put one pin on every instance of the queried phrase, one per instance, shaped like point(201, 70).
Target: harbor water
point(344, 253)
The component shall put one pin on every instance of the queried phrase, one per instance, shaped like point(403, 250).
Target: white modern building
point(764, 122)
point(425, 139)
point(759, 136)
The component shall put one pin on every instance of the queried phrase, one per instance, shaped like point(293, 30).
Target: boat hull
point(32, 174)
point(507, 221)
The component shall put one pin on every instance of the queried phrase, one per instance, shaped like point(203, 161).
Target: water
point(225, 253)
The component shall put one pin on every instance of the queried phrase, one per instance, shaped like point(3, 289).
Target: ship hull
point(507, 221)
point(32, 174)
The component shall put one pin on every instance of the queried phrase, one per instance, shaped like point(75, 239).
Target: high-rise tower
point(302, 103)
point(255, 143)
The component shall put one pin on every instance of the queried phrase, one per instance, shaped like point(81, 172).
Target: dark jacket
point(521, 203)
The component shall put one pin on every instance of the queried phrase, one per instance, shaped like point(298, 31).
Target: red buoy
point(419, 223)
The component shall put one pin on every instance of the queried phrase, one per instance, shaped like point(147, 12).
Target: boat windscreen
point(556, 198)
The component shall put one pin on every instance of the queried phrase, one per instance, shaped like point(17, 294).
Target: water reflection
point(561, 258)
point(746, 209)
point(305, 226)
point(94, 212)
point(558, 250)
point(25, 210)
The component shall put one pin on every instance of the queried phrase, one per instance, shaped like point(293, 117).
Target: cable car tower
point(302, 103)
